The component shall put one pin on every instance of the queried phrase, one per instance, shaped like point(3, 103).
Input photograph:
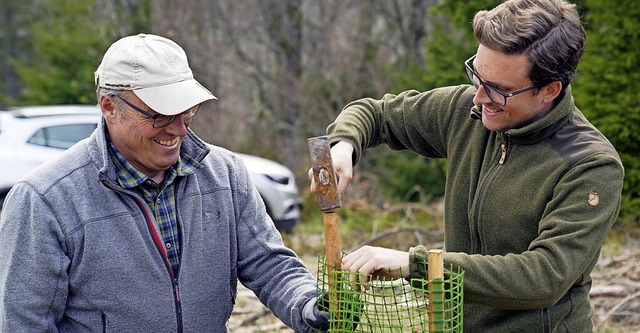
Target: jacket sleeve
point(33, 264)
point(413, 120)
point(265, 265)
point(584, 206)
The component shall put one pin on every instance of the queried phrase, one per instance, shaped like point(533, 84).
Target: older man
point(143, 227)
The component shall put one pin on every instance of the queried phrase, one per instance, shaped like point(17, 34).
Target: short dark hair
point(548, 31)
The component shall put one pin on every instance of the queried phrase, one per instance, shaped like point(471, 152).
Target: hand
point(341, 158)
point(315, 315)
point(377, 262)
point(316, 312)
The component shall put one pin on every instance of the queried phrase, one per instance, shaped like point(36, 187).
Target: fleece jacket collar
point(191, 146)
point(543, 127)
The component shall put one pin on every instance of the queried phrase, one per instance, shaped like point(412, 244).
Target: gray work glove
point(315, 315)
point(316, 312)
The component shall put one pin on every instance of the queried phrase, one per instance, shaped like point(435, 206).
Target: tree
point(12, 44)
point(66, 45)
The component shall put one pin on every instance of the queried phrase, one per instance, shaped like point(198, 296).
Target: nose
point(178, 126)
point(481, 96)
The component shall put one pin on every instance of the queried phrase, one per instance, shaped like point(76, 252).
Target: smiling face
point(150, 150)
point(509, 73)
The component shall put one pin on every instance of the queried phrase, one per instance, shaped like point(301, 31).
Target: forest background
point(283, 69)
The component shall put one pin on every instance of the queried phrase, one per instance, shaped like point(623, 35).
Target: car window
point(62, 136)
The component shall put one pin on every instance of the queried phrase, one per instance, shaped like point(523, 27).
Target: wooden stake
point(435, 275)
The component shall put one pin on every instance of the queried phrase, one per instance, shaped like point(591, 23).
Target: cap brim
point(174, 98)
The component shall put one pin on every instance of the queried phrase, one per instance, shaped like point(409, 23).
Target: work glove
point(316, 315)
point(316, 312)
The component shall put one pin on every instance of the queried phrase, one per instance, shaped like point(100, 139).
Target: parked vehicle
point(29, 136)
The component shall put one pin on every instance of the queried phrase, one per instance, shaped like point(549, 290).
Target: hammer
point(324, 177)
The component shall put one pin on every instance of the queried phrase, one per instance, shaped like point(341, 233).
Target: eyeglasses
point(161, 120)
point(494, 93)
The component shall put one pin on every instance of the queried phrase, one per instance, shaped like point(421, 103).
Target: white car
point(29, 136)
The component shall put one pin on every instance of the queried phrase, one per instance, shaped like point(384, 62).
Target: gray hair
point(102, 91)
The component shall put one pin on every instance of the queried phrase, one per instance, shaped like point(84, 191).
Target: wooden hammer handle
point(332, 240)
point(333, 258)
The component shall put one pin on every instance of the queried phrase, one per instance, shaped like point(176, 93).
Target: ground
point(615, 295)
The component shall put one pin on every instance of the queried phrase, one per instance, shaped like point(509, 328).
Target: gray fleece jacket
point(77, 253)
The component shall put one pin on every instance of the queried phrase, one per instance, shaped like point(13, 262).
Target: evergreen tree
point(66, 44)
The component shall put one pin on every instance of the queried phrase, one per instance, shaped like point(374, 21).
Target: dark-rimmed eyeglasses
point(161, 120)
point(494, 93)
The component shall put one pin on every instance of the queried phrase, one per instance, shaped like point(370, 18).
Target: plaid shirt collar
point(129, 177)
point(161, 200)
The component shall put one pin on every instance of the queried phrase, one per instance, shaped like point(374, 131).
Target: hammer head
point(323, 174)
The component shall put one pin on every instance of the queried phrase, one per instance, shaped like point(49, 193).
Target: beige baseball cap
point(156, 70)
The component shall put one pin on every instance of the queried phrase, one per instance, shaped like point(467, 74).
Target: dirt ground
point(615, 295)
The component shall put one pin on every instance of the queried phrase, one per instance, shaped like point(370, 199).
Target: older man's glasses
point(494, 93)
point(160, 120)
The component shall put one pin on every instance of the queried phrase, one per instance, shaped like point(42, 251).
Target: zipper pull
point(503, 153)
point(176, 290)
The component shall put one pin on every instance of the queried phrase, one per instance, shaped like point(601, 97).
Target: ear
point(108, 107)
point(551, 91)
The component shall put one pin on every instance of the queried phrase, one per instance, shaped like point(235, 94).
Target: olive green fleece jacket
point(526, 210)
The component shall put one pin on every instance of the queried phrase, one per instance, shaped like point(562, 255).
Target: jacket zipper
point(167, 264)
point(545, 320)
point(492, 173)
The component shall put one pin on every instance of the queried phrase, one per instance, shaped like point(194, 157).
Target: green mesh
point(391, 305)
